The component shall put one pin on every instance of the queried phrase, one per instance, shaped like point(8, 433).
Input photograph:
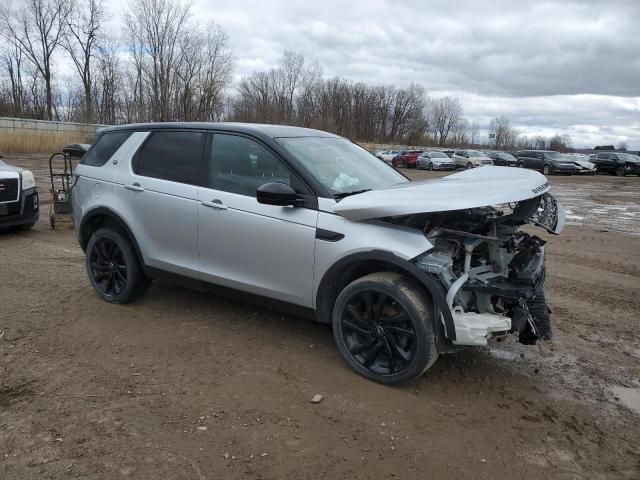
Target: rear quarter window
point(106, 145)
point(175, 156)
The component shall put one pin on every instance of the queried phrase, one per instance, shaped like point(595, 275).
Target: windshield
point(341, 166)
point(475, 153)
point(555, 156)
point(438, 155)
point(505, 156)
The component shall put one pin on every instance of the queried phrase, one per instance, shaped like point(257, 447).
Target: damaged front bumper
point(491, 275)
point(474, 329)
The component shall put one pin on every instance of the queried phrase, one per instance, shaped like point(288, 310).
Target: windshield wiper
point(338, 196)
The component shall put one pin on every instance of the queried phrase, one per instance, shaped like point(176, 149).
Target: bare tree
point(505, 136)
point(560, 143)
point(474, 133)
point(84, 28)
point(37, 30)
point(461, 132)
point(539, 142)
point(622, 145)
point(446, 113)
point(156, 31)
point(13, 60)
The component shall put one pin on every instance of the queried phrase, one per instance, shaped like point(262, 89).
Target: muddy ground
point(186, 385)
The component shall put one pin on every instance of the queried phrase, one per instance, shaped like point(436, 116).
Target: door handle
point(135, 187)
point(217, 204)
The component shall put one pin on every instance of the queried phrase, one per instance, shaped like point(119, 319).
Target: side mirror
point(280, 194)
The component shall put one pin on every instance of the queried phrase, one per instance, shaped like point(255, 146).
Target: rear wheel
point(113, 267)
point(546, 170)
point(383, 325)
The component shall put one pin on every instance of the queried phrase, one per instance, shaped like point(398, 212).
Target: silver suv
point(307, 220)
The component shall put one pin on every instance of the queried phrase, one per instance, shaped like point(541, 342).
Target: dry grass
point(33, 141)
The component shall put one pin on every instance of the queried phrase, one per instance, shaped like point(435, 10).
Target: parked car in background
point(582, 161)
point(18, 197)
point(547, 162)
point(403, 271)
point(406, 159)
point(434, 160)
point(449, 153)
point(470, 159)
point(617, 163)
point(387, 155)
point(502, 159)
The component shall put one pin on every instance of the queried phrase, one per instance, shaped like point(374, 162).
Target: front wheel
point(383, 325)
point(113, 267)
point(620, 172)
point(469, 166)
point(546, 170)
point(431, 166)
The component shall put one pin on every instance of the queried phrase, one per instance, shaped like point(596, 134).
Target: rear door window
point(106, 145)
point(173, 156)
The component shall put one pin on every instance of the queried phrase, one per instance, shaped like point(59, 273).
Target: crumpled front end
point(492, 271)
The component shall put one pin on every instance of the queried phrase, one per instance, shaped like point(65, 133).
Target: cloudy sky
point(555, 66)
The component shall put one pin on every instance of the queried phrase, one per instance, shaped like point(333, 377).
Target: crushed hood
point(479, 187)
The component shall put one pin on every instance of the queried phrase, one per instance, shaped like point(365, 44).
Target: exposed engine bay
point(493, 273)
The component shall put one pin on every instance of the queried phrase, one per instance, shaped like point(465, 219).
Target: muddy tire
point(383, 326)
point(540, 314)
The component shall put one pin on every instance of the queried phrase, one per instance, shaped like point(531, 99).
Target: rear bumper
point(23, 212)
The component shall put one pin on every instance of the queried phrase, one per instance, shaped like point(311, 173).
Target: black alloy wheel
point(378, 332)
point(113, 266)
point(108, 267)
point(469, 166)
point(383, 327)
point(620, 172)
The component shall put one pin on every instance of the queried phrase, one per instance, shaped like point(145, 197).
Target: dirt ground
point(183, 385)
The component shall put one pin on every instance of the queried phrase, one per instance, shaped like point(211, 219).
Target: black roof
point(273, 131)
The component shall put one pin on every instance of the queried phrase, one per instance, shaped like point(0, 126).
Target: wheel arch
point(357, 265)
point(100, 217)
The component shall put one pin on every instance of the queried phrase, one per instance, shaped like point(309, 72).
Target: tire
point(469, 166)
point(546, 170)
point(431, 166)
point(540, 314)
point(520, 165)
point(113, 267)
point(620, 172)
point(27, 226)
point(383, 326)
